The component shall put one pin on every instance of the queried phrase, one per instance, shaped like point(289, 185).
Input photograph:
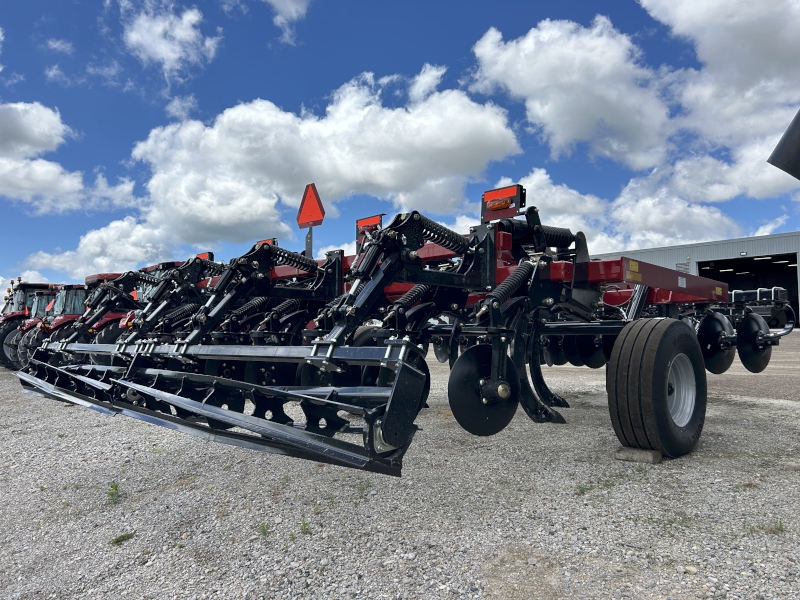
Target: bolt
point(548, 301)
point(504, 390)
point(485, 401)
point(416, 216)
point(482, 382)
point(413, 255)
point(481, 250)
point(502, 338)
point(263, 369)
point(330, 270)
point(454, 306)
point(542, 264)
point(495, 304)
point(391, 233)
point(488, 288)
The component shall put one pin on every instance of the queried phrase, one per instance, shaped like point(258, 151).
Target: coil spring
point(411, 297)
point(505, 290)
point(144, 278)
point(446, 238)
point(293, 259)
point(254, 306)
point(284, 307)
point(557, 237)
point(187, 310)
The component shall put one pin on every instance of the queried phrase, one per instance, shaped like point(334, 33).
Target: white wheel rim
point(681, 390)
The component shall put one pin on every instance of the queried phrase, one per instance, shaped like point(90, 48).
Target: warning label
point(682, 282)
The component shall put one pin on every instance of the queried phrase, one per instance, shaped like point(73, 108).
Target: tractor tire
point(7, 331)
point(109, 335)
point(32, 340)
point(656, 384)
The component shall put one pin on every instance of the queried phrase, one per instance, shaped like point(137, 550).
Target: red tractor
point(67, 306)
point(41, 308)
point(17, 308)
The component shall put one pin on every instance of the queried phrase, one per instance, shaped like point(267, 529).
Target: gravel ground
point(537, 511)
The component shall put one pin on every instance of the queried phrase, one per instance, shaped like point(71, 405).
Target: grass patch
point(61, 435)
point(305, 528)
point(114, 492)
point(776, 528)
point(581, 489)
point(121, 539)
point(263, 530)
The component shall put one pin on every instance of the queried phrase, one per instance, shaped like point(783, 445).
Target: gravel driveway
point(537, 511)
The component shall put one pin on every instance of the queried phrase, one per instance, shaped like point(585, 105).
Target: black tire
point(654, 364)
point(108, 335)
point(28, 345)
point(13, 342)
point(7, 331)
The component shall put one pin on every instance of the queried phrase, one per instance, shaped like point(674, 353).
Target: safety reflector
point(502, 203)
point(364, 226)
point(311, 211)
point(206, 255)
point(134, 294)
point(50, 306)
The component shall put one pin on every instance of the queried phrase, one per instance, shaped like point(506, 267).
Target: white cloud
point(181, 107)
point(32, 276)
point(287, 12)
point(224, 181)
point(743, 97)
point(770, 226)
point(175, 42)
point(108, 72)
point(647, 214)
point(28, 130)
point(2, 39)
point(424, 84)
point(54, 74)
point(580, 85)
point(348, 247)
point(120, 245)
point(61, 46)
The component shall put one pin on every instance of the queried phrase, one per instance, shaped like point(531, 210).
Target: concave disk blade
point(753, 358)
point(571, 351)
point(442, 350)
point(590, 354)
point(717, 361)
point(556, 349)
point(463, 390)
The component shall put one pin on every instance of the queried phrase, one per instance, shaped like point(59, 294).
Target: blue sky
point(132, 131)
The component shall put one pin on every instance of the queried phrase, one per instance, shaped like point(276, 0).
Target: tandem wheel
point(656, 383)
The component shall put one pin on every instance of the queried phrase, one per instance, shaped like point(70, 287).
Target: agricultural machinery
point(326, 360)
point(17, 309)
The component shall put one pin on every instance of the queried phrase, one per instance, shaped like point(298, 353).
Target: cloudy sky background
point(133, 131)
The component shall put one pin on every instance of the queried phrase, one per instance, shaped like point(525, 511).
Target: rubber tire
point(32, 340)
point(7, 330)
point(637, 386)
point(109, 335)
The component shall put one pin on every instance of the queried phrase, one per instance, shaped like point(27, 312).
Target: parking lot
point(537, 511)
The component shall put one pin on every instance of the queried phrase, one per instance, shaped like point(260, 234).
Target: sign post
point(311, 214)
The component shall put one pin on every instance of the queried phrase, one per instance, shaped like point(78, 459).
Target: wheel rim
point(681, 390)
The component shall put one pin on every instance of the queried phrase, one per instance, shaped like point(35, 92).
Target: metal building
point(749, 263)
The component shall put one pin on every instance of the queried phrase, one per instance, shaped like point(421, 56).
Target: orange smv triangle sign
point(311, 211)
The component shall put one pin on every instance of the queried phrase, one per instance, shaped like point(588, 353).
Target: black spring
point(145, 278)
point(446, 238)
point(411, 297)
point(182, 312)
point(505, 290)
point(284, 308)
point(253, 306)
point(293, 259)
point(557, 237)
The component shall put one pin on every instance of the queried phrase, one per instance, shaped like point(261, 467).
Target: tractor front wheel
point(656, 385)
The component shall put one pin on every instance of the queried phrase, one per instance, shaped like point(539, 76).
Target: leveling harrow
point(325, 360)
